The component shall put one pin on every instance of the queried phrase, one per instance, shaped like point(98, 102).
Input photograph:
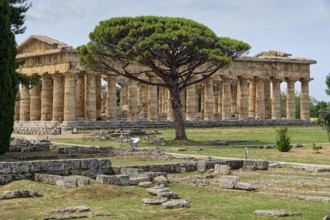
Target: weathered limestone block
point(5, 168)
point(222, 169)
point(21, 193)
point(5, 178)
point(153, 175)
point(229, 182)
point(276, 213)
point(63, 181)
point(245, 186)
point(138, 180)
point(176, 203)
point(169, 195)
point(160, 180)
point(71, 209)
point(21, 167)
point(154, 201)
point(255, 164)
point(120, 180)
point(157, 189)
point(146, 184)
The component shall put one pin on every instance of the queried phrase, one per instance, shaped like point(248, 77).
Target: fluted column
point(276, 99)
point(260, 99)
point(46, 98)
point(35, 104)
point(80, 96)
point(111, 98)
point(220, 101)
point(25, 104)
point(132, 100)
point(252, 98)
point(290, 100)
point(169, 106)
point(123, 96)
point(152, 100)
point(98, 90)
point(234, 98)
point(208, 100)
point(90, 97)
point(243, 105)
point(144, 101)
point(226, 98)
point(191, 103)
point(58, 97)
point(267, 99)
point(304, 101)
point(17, 105)
point(69, 97)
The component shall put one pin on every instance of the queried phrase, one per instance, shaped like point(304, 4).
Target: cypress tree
point(11, 21)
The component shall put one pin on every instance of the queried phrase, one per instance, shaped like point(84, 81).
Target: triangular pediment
point(39, 43)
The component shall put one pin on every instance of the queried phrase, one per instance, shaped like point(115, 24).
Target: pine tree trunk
point(180, 132)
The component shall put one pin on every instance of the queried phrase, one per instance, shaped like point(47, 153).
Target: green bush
point(283, 140)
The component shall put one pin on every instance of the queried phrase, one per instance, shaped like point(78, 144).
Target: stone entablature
point(248, 88)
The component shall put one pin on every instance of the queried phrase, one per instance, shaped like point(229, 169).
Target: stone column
point(243, 105)
point(58, 98)
point(17, 105)
point(35, 104)
point(25, 104)
point(145, 101)
point(234, 98)
point(132, 100)
point(169, 106)
point(98, 90)
point(226, 98)
point(290, 100)
point(260, 99)
point(123, 96)
point(267, 100)
point(276, 99)
point(220, 101)
point(46, 98)
point(111, 98)
point(152, 100)
point(191, 106)
point(80, 96)
point(208, 100)
point(90, 97)
point(252, 98)
point(69, 97)
point(304, 100)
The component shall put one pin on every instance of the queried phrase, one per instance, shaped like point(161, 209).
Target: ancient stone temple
point(249, 88)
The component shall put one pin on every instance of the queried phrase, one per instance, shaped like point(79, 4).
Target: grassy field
point(258, 136)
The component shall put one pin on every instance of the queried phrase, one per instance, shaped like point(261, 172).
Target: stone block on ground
point(71, 209)
point(146, 184)
point(137, 180)
point(154, 201)
point(228, 182)
point(176, 203)
point(275, 213)
point(157, 189)
point(245, 186)
point(222, 169)
point(169, 195)
point(255, 165)
point(21, 193)
point(120, 180)
point(160, 180)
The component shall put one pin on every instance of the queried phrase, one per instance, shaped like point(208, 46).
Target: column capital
point(290, 80)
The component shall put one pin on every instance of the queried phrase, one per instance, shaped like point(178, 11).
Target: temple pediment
point(39, 43)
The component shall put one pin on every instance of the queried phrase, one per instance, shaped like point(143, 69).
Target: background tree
point(327, 82)
point(11, 21)
point(179, 51)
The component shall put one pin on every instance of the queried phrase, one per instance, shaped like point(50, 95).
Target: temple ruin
point(249, 88)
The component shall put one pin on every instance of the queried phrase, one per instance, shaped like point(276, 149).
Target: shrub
point(283, 140)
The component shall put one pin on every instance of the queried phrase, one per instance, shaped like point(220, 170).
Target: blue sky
point(299, 27)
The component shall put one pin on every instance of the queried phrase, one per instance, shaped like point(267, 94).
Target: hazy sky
point(299, 27)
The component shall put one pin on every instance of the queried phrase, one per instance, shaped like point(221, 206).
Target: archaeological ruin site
point(248, 89)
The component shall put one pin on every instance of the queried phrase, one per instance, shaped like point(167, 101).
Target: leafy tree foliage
point(283, 142)
point(11, 21)
point(179, 51)
point(327, 82)
point(324, 120)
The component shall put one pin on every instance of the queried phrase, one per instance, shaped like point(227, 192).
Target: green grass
point(262, 135)
point(125, 203)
